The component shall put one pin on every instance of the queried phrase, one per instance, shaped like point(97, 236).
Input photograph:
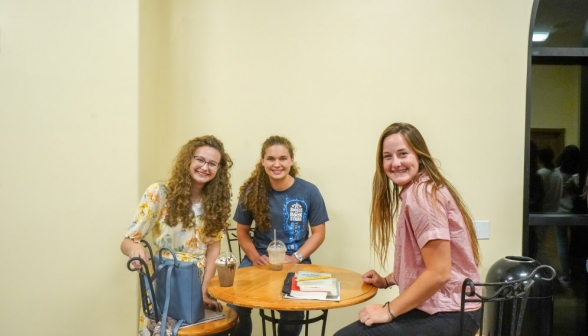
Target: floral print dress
point(190, 243)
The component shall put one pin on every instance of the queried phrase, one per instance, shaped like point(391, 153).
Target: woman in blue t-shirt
point(276, 199)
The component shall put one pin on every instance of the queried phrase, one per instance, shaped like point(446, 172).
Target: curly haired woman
point(187, 214)
point(276, 199)
point(435, 243)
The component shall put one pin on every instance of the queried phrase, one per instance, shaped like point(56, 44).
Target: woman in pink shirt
point(435, 245)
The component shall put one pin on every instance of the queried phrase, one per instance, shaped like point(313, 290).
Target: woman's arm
point(437, 258)
point(310, 245)
point(247, 246)
point(212, 252)
point(148, 213)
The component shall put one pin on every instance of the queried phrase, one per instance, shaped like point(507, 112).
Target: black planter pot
point(538, 318)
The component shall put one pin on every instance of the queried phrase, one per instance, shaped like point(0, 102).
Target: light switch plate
point(482, 229)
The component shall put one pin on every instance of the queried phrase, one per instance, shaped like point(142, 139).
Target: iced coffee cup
point(226, 264)
point(277, 252)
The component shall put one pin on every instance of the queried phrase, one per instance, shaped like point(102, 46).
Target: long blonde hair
point(256, 189)
point(386, 194)
point(216, 194)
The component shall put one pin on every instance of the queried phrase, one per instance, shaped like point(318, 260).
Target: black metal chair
point(509, 296)
point(231, 234)
point(148, 301)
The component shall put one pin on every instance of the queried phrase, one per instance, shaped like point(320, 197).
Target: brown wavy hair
point(216, 194)
point(256, 189)
point(386, 194)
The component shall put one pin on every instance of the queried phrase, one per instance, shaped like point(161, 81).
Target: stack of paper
point(323, 285)
point(307, 276)
point(314, 286)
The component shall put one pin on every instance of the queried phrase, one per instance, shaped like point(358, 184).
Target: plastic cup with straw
point(277, 252)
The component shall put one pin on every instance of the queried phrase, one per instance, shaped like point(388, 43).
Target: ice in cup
point(226, 264)
point(277, 252)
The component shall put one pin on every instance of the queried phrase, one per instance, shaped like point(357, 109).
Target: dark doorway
point(549, 137)
point(558, 117)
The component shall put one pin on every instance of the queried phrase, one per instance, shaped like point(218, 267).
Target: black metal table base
point(307, 320)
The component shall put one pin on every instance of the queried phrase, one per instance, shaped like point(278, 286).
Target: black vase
point(538, 318)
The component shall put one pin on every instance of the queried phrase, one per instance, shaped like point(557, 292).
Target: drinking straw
point(274, 234)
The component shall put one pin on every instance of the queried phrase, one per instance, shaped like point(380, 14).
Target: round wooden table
point(260, 287)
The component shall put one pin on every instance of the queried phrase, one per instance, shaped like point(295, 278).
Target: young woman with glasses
point(188, 213)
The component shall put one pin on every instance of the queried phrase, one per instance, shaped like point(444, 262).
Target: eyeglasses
point(200, 162)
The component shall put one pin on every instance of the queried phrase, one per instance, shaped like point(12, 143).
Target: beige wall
point(556, 99)
point(330, 75)
point(68, 165)
point(154, 87)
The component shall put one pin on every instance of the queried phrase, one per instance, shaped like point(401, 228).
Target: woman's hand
point(141, 252)
point(261, 260)
point(371, 314)
point(132, 250)
point(372, 277)
point(211, 304)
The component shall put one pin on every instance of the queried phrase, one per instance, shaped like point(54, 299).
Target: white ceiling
point(565, 20)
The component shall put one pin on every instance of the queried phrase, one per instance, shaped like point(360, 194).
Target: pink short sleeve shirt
point(418, 223)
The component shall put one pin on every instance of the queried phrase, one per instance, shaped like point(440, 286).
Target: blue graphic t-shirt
point(291, 212)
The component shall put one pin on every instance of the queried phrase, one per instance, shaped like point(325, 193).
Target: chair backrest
point(231, 234)
point(148, 300)
point(509, 299)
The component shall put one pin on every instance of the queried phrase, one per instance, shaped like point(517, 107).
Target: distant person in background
point(536, 195)
point(580, 204)
point(568, 167)
point(552, 186)
point(550, 179)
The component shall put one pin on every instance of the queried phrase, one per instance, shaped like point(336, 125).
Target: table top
point(260, 287)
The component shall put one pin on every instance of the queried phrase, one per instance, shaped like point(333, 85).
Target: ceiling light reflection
point(540, 37)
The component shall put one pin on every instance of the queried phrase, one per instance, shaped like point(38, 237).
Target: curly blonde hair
point(216, 194)
point(386, 199)
point(256, 189)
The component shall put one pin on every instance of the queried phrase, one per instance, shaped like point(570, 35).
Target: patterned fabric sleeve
point(148, 212)
point(218, 237)
point(209, 239)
